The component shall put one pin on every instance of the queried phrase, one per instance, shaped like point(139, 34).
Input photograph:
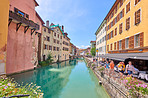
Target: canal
point(69, 79)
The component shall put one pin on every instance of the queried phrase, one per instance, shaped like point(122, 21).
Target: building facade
point(65, 47)
point(57, 42)
point(126, 27)
point(47, 42)
point(22, 43)
point(4, 10)
point(73, 49)
point(101, 39)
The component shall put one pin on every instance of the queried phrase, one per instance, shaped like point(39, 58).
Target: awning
point(123, 56)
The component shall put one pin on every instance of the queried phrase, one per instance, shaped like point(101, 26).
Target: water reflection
point(52, 79)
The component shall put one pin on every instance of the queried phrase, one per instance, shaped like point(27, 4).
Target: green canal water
point(69, 79)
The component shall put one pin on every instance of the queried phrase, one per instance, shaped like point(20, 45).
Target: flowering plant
point(8, 87)
point(135, 86)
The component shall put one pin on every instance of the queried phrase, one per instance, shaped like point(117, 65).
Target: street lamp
point(97, 56)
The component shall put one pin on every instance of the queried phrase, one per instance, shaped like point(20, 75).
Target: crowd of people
point(122, 69)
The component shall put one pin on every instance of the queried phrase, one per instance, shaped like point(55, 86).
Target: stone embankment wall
point(113, 89)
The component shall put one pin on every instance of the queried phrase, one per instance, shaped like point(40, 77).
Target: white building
point(101, 39)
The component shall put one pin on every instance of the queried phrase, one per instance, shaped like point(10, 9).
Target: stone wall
point(112, 85)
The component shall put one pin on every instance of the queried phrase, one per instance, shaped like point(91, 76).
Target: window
point(115, 31)
point(58, 41)
point(27, 16)
point(128, 7)
point(121, 3)
point(127, 43)
point(111, 23)
point(137, 17)
point(127, 23)
point(57, 48)
point(115, 20)
point(58, 35)
point(108, 27)
point(45, 46)
point(48, 38)
point(120, 44)
point(50, 47)
point(108, 37)
point(120, 28)
point(55, 34)
point(54, 48)
point(61, 37)
point(111, 34)
point(112, 14)
point(136, 1)
point(20, 13)
point(48, 31)
point(54, 40)
point(137, 40)
point(44, 29)
point(121, 14)
point(115, 9)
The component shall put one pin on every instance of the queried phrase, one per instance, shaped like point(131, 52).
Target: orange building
point(4, 10)
point(127, 30)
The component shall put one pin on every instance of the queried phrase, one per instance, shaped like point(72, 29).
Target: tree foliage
point(93, 51)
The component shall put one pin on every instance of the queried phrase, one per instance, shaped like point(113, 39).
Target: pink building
point(23, 32)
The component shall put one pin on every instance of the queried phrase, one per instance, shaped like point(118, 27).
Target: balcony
point(25, 22)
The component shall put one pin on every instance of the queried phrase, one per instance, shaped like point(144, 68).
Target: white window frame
point(135, 40)
point(130, 23)
point(130, 7)
point(137, 3)
point(119, 44)
point(140, 16)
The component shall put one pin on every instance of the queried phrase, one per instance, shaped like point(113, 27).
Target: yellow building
point(4, 10)
point(127, 30)
point(47, 42)
point(65, 47)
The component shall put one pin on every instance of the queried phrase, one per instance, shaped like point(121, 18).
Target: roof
point(92, 41)
point(112, 8)
point(36, 4)
point(124, 56)
point(40, 18)
point(100, 27)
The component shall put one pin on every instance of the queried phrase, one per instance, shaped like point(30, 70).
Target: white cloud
point(83, 46)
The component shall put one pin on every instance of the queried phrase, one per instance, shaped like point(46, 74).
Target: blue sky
point(80, 18)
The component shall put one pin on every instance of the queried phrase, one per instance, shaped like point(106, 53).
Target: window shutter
point(123, 12)
point(109, 35)
point(123, 44)
point(141, 39)
point(113, 33)
point(135, 18)
point(115, 46)
point(44, 46)
point(131, 42)
point(118, 45)
point(135, 2)
point(113, 22)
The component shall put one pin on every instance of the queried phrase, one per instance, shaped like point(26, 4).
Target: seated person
point(130, 68)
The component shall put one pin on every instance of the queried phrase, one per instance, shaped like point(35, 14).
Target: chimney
point(47, 23)
point(62, 28)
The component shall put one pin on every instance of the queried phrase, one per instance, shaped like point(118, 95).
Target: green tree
point(49, 58)
point(93, 51)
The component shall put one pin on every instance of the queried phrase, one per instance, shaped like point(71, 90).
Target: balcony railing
point(20, 19)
